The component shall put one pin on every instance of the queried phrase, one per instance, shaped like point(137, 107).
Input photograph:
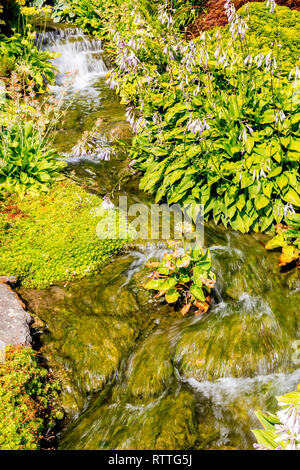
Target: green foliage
point(185, 278)
point(9, 15)
point(28, 400)
point(281, 27)
point(20, 55)
point(287, 238)
point(87, 13)
point(243, 163)
point(186, 11)
point(217, 121)
point(27, 164)
point(281, 431)
point(53, 238)
point(92, 15)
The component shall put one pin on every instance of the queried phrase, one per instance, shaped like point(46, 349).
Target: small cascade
point(80, 61)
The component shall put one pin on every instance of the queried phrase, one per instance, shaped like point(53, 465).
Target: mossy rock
point(28, 400)
point(150, 371)
point(239, 344)
point(88, 331)
point(165, 424)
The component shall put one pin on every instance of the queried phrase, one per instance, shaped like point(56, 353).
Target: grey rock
point(14, 320)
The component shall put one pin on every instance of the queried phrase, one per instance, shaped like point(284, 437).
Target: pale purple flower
point(196, 126)
point(130, 116)
point(156, 118)
point(243, 136)
point(248, 61)
point(165, 14)
point(259, 59)
point(272, 5)
point(236, 24)
point(107, 204)
point(105, 153)
point(296, 74)
point(280, 117)
point(288, 210)
point(139, 124)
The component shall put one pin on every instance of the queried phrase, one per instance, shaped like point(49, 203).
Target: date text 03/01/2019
point(155, 459)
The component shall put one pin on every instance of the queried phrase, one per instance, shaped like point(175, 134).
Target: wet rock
point(90, 327)
point(14, 320)
point(120, 132)
point(150, 371)
point(166, 423)
point(246, 341)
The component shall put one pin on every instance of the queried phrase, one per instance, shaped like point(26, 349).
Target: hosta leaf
point(282, 181)
point(276, 171)
point(261, 202)
point(197, 292)
point(154, 284)
point(268, 116)
point(172, 295)
point(289, 254)
point(276, 242)
point(292, 197)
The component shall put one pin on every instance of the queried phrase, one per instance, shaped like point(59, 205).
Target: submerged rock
point(150, 371)
point(90, 327)
point(164, 424)
point(239, 344)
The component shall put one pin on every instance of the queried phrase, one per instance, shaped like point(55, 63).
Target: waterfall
point(80, 62)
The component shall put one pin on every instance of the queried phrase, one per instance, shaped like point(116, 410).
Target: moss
point(28, 400)
point(150, 369)
point(53, 238)
point(164, 424)
point(226, 346)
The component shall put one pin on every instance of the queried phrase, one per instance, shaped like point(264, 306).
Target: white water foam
point(80, 62)
point(224, 390)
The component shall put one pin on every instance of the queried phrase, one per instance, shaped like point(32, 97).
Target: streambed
point(136, 374)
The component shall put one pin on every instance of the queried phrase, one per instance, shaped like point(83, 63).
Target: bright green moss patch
point(53, 238)
point(28, 400)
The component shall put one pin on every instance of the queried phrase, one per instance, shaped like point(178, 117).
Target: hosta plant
point(185, 279)
point(216, 122)
point(27, 164)
point(288, 238)
point(281, 430)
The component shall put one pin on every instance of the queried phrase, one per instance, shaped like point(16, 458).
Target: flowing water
point(136, 374)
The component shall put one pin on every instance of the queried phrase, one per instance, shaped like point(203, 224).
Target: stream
point(136, 374)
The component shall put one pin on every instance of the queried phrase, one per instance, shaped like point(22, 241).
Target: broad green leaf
point(172, 295)
point(261, 202)
point(197, 292)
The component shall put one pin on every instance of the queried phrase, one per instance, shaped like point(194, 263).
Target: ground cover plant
point(288, 239)
point(53, 238)
point(28, 400)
